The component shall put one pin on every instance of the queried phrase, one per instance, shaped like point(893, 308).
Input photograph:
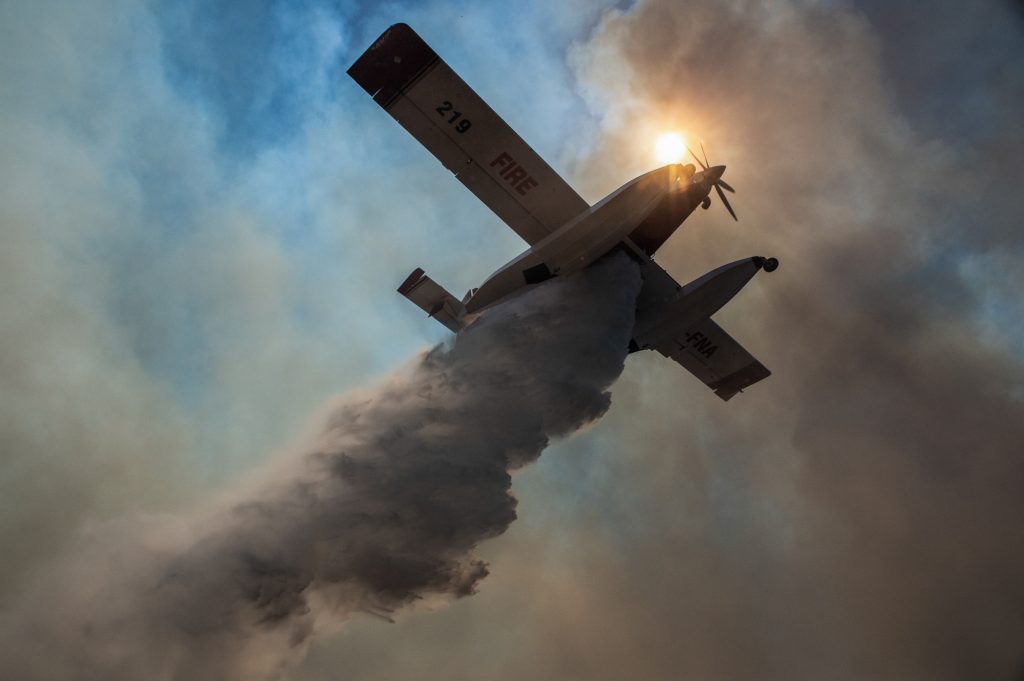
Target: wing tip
point(411, 281)
point(395, 59)
point(727, 387)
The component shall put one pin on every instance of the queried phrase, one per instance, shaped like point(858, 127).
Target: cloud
point(383, 509)
point(78, 412)
point(868, 485)
point(144, 276)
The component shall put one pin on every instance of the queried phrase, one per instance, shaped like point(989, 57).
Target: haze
point(203, 223)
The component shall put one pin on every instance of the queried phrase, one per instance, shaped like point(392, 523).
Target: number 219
point(460, 125)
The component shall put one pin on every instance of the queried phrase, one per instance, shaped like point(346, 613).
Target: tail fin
point(433, 299)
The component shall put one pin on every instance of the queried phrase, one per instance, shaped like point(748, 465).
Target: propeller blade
point(705, 154)
point(725, 201)
point(726, 187)
point(695, 158)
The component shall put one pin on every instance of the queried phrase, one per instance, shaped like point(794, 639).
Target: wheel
point(770, 264)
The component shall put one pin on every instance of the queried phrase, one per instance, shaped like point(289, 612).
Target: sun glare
point(670, 147)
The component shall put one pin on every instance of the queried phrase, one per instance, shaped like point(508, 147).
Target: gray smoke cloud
point(857, 515)
point(381, 509)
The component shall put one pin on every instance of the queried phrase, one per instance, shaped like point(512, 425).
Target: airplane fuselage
point(638, 216)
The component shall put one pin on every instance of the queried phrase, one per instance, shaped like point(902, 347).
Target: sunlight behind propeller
point(670, 147)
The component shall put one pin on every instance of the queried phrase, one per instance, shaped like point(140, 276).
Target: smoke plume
point(381, 509)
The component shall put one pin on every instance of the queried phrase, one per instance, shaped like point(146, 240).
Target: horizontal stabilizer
point(433, 299)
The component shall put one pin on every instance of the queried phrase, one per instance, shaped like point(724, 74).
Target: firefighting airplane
point(407, 78)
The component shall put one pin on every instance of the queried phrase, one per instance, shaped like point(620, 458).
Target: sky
point(204, 222)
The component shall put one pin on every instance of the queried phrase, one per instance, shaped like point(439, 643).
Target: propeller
point(719, 185)
point(725, 202)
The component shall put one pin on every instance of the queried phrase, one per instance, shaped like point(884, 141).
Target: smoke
point(857, 514)
point(382, 509)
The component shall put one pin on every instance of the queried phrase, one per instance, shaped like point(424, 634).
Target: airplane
point(565, 234)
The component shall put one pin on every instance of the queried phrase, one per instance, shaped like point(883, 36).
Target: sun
point(670, 147)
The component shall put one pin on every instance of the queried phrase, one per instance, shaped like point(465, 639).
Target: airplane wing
point(710, 354)
point(420, 91)
point(701, 346)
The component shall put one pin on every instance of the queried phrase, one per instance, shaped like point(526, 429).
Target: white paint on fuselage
point(586, 237)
